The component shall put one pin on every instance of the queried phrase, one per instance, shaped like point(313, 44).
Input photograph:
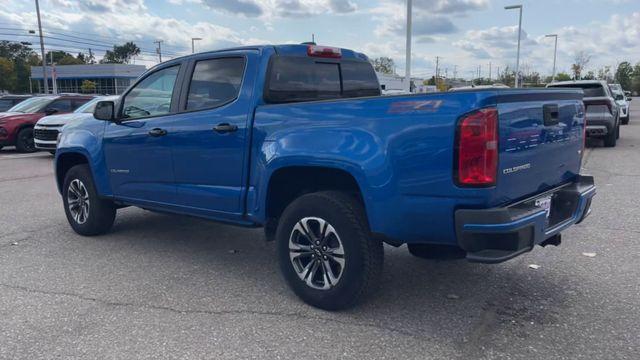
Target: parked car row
point(606, 107)
point(17, 123)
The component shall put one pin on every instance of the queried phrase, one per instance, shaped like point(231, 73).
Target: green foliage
point(383, 65)
point(88, 87)
point(121, 54)
point(624, 74)
point(7, 74)
point(22, 57)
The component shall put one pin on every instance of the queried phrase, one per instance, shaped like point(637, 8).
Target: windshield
point(30, 106)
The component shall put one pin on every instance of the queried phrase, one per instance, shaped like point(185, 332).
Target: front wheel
point(326, 252)
point(24, 141)
point(86, 212)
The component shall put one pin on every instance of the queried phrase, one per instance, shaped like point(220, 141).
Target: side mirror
point(105, 110)
point(50, 111)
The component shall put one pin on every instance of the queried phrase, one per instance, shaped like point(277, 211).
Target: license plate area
point(545, 204)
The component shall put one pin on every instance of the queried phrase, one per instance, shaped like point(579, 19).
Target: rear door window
point(215, 82)
point(62, 105)
point(78, 102)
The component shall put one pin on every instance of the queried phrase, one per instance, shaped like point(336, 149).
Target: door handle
point(225, 128)
point(157, 132)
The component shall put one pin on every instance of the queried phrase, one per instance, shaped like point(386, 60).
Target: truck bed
point(402, 151)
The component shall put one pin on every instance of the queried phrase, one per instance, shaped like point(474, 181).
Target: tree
point(70, 60)
point(507, 77)
point(605, 74)
point(7, 74)
point(624, 75)
point(384, 65)
point(22, 57)
point(580, 61)
point(87, 59)
point(88, 87)
point(121, 54)
point(590, 76)
point(635, 83)
point(562, 76)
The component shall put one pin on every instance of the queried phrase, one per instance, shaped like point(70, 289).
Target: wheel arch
point(289, 182)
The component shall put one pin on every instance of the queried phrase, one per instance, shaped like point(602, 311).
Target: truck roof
point(578, 82)
point(282, 49)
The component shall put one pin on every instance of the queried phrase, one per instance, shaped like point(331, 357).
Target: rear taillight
point(477, 148)
point(324, 51)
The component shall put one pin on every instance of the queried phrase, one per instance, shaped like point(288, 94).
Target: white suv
point(45, 132)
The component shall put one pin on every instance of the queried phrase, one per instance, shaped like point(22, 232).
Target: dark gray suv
point(602, 111)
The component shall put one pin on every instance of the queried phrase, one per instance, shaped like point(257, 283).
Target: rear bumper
point(599, 126)
point(499, 234)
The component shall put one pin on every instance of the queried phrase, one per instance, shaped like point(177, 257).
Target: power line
point(88, 42)
point(103, 47)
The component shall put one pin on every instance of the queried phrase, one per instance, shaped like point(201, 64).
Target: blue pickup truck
point(297, 139)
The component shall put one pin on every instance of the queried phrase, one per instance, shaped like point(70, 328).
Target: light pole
point(407, 69)
point(44, 59)
point(193, 45)
point(519, 7)
point(555, 55)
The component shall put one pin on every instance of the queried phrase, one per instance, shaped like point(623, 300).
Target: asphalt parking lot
point(163, 286)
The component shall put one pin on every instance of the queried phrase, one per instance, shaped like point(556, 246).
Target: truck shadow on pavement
point(212, 267)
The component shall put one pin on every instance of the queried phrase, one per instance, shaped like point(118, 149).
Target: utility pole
point(489, 71)
point(437, 77)
point(54, 85)
point(44, 59)
point(313, 38)
point(519, 7)
point(159, 49)
point(555, 55)
point(455, 71)
point(193, 46)
point(407, 68)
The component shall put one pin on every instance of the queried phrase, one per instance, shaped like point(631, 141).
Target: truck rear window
point(296, 79)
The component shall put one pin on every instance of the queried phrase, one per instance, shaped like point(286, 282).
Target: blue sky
point(465, 33)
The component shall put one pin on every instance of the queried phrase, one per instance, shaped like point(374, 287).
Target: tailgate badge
point(514, 169)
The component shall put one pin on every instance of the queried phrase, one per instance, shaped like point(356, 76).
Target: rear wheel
point(86, 212)
point(326, 252)
point(611, 138)
point(24, 141)
point(625, 121)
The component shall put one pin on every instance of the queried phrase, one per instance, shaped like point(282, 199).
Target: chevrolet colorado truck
point(297, 139)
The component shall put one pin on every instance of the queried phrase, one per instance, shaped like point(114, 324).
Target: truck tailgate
point(541, 141)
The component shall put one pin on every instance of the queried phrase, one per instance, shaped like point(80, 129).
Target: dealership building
point(111, 79)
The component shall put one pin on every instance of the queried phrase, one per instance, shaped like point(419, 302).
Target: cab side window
point(215, 82)
point(152, 96)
